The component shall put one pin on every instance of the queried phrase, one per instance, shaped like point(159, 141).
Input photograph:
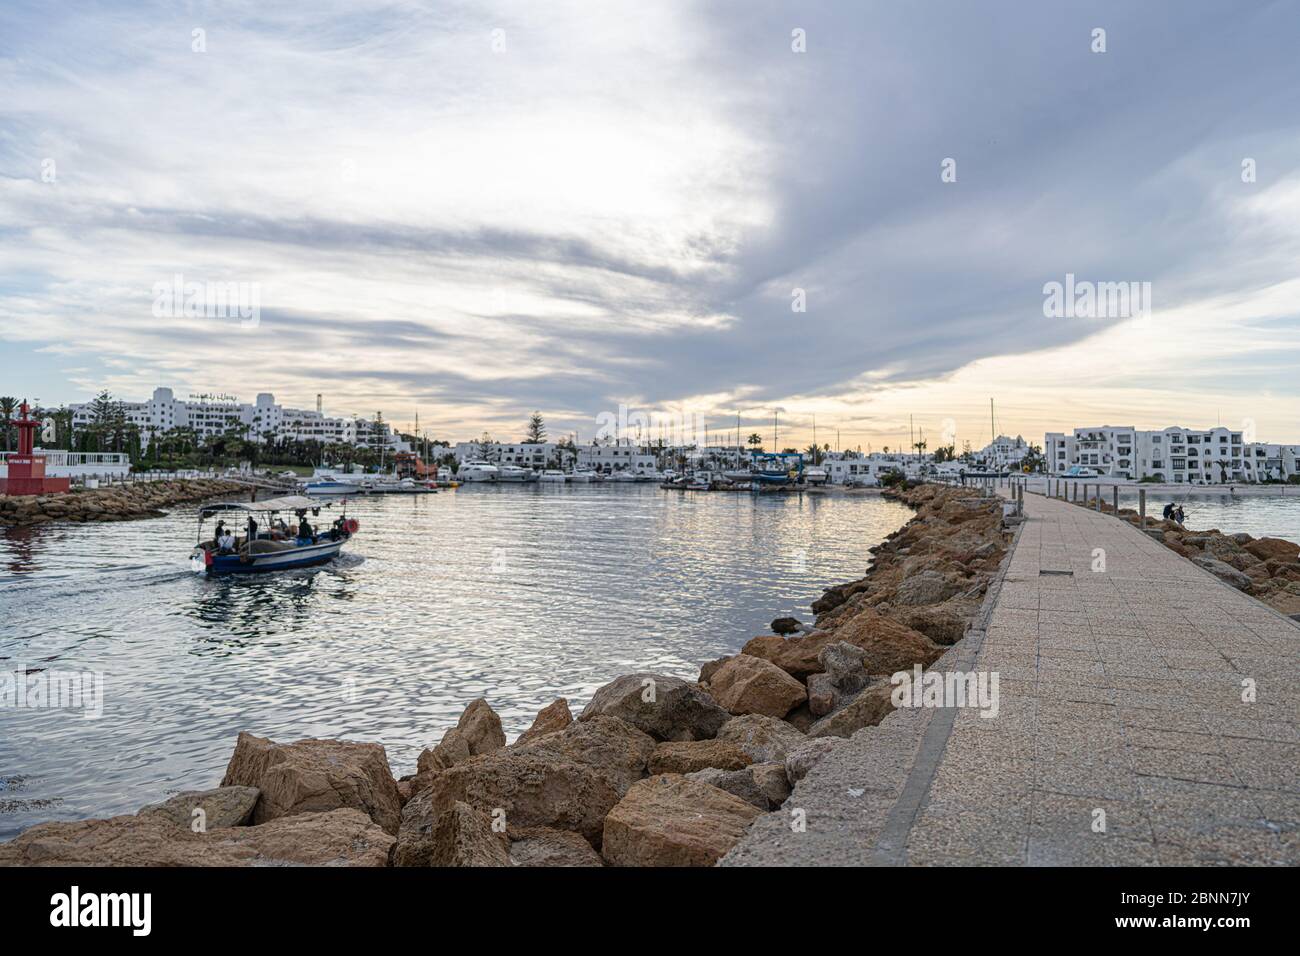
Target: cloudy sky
point(478, 209)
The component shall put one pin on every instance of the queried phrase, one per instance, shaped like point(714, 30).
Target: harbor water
point(520, 594)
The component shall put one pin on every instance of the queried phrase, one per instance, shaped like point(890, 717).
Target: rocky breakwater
point(1265, 568)
point(655, 771)
point(119, 503)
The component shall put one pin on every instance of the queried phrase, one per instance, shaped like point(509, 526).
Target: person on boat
point(252, 528)
point(305, 531)
point(226, 543)
point(217, 532)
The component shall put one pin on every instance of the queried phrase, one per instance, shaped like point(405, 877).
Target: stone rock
point(221, 806)
point(551, 718)
point(450, 834)
point(928, 587)
point(822, 694)
point(534, 789)
point(751, 685)
point(686, 756)
point(312, 776)
point(801, 718)
point(867, 709)
point(615, 750)
point(889, 645)
point(785, 625)
point(765, 739)
point(764, 785)
point(708, 670)
point(540, 846)
point(1224, 572)
point(666, 708)
point(1274, 549)
point(944, 623)
point(342, 837)
point(477, 732)
point(845, 666)
point(669, 820)
point(806, 756)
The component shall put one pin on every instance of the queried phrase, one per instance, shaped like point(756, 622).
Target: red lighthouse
point(26, 468)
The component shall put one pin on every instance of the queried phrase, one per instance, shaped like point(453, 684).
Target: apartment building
point(1202, 456)
point(212, 415)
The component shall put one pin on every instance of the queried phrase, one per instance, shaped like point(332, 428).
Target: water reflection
point(518, 594)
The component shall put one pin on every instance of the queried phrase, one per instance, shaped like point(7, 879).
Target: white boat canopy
point(286, 503)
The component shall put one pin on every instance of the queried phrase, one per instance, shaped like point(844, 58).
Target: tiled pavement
point(1121, 692)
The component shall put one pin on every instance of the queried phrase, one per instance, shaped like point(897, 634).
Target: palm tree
point(755, 441)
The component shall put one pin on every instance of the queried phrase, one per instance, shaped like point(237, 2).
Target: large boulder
point(540, 846)
point(889, 645)
point(533, 789)
point(764, 739)
point(671, 821)
point(686, 756)
point(944, 623)
point(867, 709)
point(343, 837)
point(928, 587)
point(666, 708)
point(765, 785)
point(615, 750)
point(750, 685)
point(311, 776)
point(1277, 549)
point(477, 732)
point(844, 675)
point(451, 834)
point(207, 809)
point(1224, 572)
point(550, 719)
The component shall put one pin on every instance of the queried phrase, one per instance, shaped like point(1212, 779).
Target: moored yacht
point(553, 475)
point(478, 471)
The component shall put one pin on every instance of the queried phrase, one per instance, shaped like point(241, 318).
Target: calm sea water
point(1263, 516)
point(521, 594)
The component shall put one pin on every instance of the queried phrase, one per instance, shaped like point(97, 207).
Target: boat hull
point(303, 557)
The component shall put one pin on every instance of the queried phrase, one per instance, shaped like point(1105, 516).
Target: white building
point(620, 456)
point(213, 415)
point(534, 455)
point(1003, 453)
point(1203, 456)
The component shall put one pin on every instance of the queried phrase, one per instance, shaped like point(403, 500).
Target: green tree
point(7, 406)
point(536, 429)
point(755, 441)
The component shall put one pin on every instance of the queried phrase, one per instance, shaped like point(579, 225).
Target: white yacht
point(583, 476)
point(621, 476)
point(515, 473)
point(478, 471)
point(553, 475)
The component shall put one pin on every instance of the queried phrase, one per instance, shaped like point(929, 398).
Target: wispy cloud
point(484, 208)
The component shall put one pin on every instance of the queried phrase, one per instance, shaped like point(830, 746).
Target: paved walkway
point(1120, 694)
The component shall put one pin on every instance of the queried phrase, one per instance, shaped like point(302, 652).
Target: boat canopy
point(286, 503)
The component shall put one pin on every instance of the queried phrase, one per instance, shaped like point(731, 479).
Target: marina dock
point(1147, 715)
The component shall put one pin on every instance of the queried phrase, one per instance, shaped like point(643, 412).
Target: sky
point(844, 213)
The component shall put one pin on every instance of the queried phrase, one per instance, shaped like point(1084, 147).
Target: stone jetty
point(656, 770)
point(119, 503)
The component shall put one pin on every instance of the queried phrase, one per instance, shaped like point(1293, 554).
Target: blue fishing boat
point(272, 535)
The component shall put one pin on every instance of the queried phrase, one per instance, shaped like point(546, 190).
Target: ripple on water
point(518, 594)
